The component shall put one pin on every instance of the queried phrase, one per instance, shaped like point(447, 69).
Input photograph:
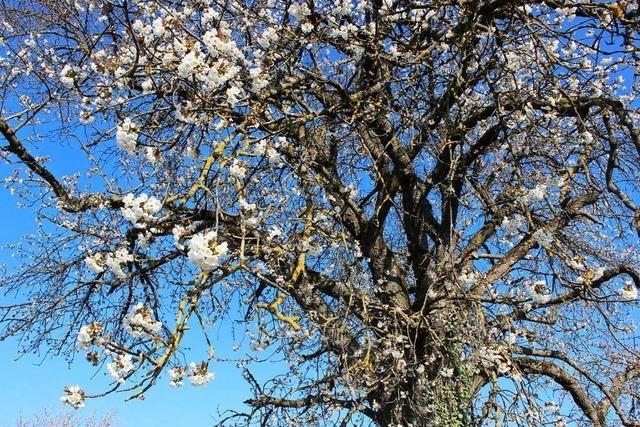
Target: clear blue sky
point(31, 384)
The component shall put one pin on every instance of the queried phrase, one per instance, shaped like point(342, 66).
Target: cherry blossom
point(74, 397)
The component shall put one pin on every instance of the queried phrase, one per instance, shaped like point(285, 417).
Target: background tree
point(66, 419)
point(427, 209)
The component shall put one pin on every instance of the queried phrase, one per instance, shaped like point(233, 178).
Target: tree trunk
point(440, 392)
point(439, 404)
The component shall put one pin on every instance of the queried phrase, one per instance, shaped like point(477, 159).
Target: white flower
point(537, 193)
point(147, 85)
point(158, 27)
point(95, 263)
point(88, 335)
point(152, 206)
point(205, 253)
point(246, 206)
point(576, 263)
point(274, 232)
point(217, 45)
point(299, 10)
point(543, 237)
point(587, 137)
point(446, 372)
point(120, 367)
point(140, 322)
point(541, 298)
point(274, 157)
point(83, 340)
point(237, 170)
point(68, 75)
point(591, 275)
point(140, 209)
point(252, 221)
point(629, 292)
point(268, 36)
point(260, 148)
point(115, 261)
point(178, 233)
point(127, 136)
point(551, 407)
point(539, 292)
point(234, 94)
point(176, 375)
point(258, 79)
point(493, 359)
point(598, 272)
point(153, 155)
point(512, 225)
point(199, 375)
point(188, 65)
point(74, 397)
point(468, 279)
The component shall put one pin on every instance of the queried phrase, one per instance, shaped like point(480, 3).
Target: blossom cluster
point(116, 261)
point(98, 262)
point(120, 367)
point(127, 136)
point(176, 375)
point(205, 252)
point(140, 209)
point(539, 292)
point(629, 292)
point(74, 397)
point(140, 322)
point(198, 375)
point(89, 335)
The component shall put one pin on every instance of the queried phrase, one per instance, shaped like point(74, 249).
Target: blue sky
point(32, 383)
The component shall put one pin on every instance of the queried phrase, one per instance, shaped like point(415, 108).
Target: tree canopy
point(426, 210)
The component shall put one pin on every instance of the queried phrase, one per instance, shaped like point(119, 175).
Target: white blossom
point(120, 367)
point(178, 233)
point(176, 375)
point(468, 279)
point(446, 372)
point(587, 137)
point(539, 292)
point(237, 170)
point(89, 335)
point(199, 375)
point(140, 322)
point(153, 155)
point(74, 397)
point(537, 193)
point(205, 252)
point(190, 62)
point(234, 94)
point(116, 260)
point(543, 237)
point(68, 75)
point(512, 225)
point(274, 157)
point(260, 148)
point(629, 292)
point(127, 136)
point(245, 206)
point(140, 209)
point(258, 79)
point(95, 263)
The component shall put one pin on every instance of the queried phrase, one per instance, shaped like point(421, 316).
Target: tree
point(66, 419)
point(428, 210)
